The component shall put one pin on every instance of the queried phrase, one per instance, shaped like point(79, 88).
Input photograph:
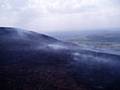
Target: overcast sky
point(60, 15)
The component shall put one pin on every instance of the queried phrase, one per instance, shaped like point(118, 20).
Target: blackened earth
point(33, 61)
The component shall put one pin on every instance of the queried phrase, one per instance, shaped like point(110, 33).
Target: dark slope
point(20, 39)
point(32, 61)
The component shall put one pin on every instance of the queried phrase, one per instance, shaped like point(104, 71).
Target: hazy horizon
point(60, 15)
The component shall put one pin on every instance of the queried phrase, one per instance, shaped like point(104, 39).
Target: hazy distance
point(60, 15)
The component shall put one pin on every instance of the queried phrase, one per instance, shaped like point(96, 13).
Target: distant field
point(97, 40)
point(108, 42)
point(108, 47)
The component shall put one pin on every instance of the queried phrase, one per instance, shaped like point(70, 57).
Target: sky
point(60, 15)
